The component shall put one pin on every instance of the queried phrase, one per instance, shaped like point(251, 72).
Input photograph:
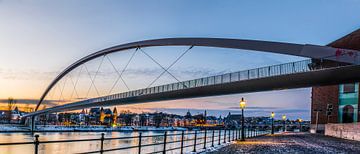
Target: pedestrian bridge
point(306, 73)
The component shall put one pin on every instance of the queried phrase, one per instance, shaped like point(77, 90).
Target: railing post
point(224, 135)
point(293, 66)
point(248, 74)
point(233, 135)
point(251, 132)
point(229, 135)
point(236, 134)
point(182, 142)
point(248, 132)
point(212, 138)
point(205, 140)
point(269, 71)
point(165, 136)
point(36, 143)
point(139, 149)
point(219, 136)
point(102, 143)
point(195, 137)
point(239, 131)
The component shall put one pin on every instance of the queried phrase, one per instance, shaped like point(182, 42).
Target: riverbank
point(55, 128)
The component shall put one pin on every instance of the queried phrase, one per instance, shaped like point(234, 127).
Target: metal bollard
point(36, 143)
point(102, 143)
point(139, 148)
point(165, 136)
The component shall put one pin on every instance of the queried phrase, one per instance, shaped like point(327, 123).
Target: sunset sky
point(40, 38)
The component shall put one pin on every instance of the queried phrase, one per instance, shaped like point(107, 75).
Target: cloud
point(31, 101)
point(10, 74)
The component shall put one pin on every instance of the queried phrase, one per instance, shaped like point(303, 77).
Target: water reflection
point(86, 146)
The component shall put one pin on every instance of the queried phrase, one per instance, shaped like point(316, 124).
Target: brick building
point(343, 99)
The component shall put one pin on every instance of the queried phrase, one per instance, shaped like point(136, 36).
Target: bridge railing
point(274, 70)
point(257, 73)
point(184, 142)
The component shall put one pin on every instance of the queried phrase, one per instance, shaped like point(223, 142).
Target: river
point(76, 147)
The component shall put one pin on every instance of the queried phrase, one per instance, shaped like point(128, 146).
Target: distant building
point(233, 120)
point(336, 103)
point(15, 114)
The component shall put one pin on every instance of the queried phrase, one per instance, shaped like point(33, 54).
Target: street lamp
point(284, 121)
point(272, 122)
point(300, 121)
point(242, 107)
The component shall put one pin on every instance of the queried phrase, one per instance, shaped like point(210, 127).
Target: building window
point(348, 114)
point(349, 88)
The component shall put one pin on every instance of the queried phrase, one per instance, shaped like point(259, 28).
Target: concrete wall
point(347, 131)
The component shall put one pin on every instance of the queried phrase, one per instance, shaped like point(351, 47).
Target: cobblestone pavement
point(292, 143)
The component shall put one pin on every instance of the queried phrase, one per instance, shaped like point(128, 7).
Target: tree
point(128, 118)
point(143, 119)
point(158, 117)
point(11, 104)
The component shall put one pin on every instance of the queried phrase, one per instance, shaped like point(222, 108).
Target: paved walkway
point(292, 143)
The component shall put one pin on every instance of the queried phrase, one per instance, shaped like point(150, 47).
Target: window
point(349, 88)
point(348, 114)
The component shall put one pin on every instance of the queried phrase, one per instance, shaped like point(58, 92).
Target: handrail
point(226, 137)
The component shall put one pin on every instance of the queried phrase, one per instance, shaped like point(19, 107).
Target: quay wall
point(349, 131)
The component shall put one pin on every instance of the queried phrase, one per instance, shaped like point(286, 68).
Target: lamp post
point(242, 107)
point(272, 122)
point(300, 121)
point(284, 121)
